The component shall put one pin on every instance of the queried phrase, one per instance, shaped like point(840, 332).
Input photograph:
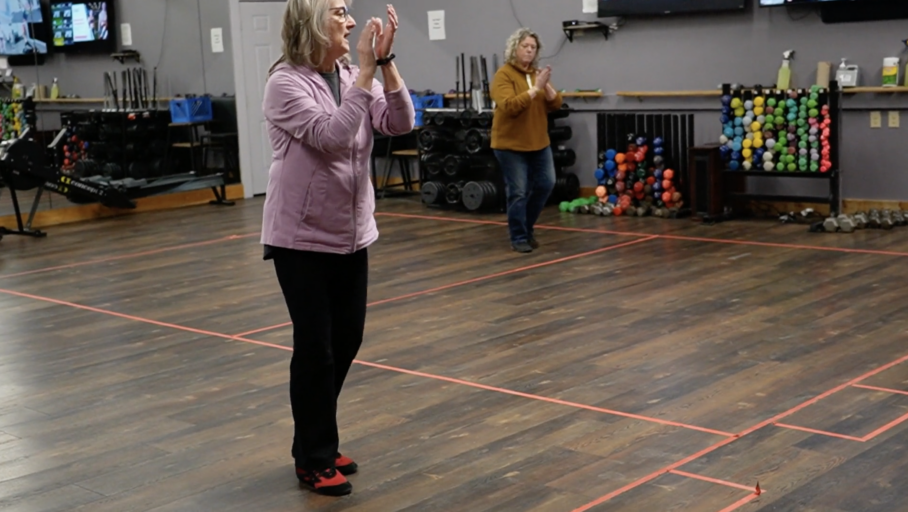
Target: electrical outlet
point(894, 119)
point(876, 119)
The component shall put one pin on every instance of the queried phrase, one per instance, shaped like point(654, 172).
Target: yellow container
point(891, 72)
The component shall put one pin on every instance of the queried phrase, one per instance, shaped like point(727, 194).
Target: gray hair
point(510, 52)
point(305, 41)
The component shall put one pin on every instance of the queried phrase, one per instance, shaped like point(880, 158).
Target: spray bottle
point(905, 42)
point(55, 90)
point(784, 81)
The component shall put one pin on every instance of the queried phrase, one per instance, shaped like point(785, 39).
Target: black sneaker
point(523, 247)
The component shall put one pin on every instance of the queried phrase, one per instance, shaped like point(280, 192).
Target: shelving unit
point(575, 94)
point(717, 93)
point(668, 94)
point(874, 90)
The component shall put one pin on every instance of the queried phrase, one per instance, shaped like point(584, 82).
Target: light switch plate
point(894, 119)
point(876, 119)
point(217, 40)
point(126, 34)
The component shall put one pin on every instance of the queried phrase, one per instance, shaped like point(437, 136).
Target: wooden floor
point(637, 365)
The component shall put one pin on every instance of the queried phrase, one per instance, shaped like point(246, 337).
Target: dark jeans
point(529, 179)
point(326, 297)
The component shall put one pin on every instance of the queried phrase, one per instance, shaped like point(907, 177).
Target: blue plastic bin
point(191, 110)
point(426, 101)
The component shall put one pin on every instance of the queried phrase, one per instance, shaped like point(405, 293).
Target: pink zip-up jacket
point(320, 196)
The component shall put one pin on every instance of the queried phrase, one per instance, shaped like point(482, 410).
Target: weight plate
point(433, 193)
point(473, 196)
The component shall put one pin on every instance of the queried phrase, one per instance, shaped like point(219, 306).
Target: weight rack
point(115, 144)
point(831, 97)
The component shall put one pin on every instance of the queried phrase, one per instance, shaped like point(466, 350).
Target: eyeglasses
point(343, 12)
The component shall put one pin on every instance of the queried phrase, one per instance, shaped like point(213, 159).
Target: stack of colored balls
point(777, 131)
point(12, 120)
point(638, 177)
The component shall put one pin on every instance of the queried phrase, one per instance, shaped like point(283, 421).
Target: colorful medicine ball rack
point(774, 130)
point(12, 120)
point(635, 182)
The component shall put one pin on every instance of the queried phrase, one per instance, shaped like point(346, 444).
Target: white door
point(260, 26)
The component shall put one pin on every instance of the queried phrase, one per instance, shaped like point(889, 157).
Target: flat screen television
point(22, 30)
point(82, 27)
point(778, 3)
point(845, 11)
point(626, 8)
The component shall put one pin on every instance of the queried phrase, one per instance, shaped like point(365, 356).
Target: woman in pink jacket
point(318, 215)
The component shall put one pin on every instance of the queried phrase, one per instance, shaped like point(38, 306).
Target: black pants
point(326, 297)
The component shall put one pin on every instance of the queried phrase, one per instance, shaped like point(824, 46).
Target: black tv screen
point(21, 28)
point(777, 3)
point(622, 8)
point(82, 26)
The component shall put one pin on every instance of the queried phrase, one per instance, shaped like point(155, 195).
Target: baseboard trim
point(79, 213)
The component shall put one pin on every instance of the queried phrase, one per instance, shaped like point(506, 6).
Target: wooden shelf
point(874, 90)
point(567, 94)
point(717, 93)
point(83, 100)
point(668, 94)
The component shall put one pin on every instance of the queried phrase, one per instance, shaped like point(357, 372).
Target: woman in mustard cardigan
point(520, 136)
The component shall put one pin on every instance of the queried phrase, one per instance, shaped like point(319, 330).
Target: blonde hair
point(510, 52)
point(305, 42)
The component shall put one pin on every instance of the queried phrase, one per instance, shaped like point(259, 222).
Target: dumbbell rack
point(831, 97)
point(119, 145)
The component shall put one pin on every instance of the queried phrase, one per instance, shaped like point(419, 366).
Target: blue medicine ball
point(611, 154)
point(610, 165)
point(599, 174)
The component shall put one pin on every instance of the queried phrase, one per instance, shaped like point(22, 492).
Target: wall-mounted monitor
point(627, 8)
point(22, 28)
point(779, 3)
point(82, 27)
point(844, 11)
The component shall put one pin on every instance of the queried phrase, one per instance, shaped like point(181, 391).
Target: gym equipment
point(433, 193)
point(873, 219)
point(561, 134)
point(430, 140)
point(564, 157)
point(453, 192)
point(433, 163)
point(24, 166)
point(886, 221)
point(797, 138)
point(480, 195)
point(567, 188)
point(846, 223)
point(476, 140)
